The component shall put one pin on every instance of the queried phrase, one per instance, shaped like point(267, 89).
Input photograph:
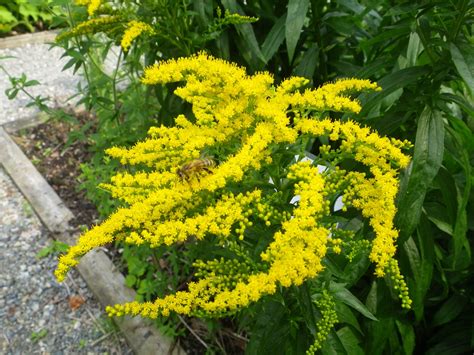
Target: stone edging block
point(28, 38)
point(95, 267)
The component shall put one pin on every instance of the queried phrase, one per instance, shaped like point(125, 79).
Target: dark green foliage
point(26, 14)
point(422, 55)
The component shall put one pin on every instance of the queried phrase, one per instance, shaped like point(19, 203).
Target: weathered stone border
point(96, 268)
point(25, 122)
point(28, 38)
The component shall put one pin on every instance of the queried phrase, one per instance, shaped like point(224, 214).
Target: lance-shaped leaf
point(427, 158)
point(295, 17)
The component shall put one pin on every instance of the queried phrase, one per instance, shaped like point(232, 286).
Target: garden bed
point(47, 146)
point(58, 160)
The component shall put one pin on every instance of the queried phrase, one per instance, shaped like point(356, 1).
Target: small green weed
point(82, 344)
point(106, 325)
point(37, 336)
point(54, 248)
point(27, 209)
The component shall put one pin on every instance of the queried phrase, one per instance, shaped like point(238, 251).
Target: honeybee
point(196, 167)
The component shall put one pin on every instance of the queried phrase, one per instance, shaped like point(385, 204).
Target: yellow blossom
point(134, 29)
point(92, 5)
point(93, 25)
point(247, 123)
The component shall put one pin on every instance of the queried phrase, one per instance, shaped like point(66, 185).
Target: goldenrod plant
point(256, 134)
point(132, 35)
point(420, 53)
point(113, 19)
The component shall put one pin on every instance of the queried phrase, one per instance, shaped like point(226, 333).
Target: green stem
point(42, 107)
point(457, 26)
point(73, 24)
point(114, 84)
point(322, 54)
point(309, 302)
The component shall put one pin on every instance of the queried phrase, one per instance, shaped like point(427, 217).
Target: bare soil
point(59, 160)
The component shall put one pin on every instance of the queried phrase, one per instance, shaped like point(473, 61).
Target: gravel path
point(38, 315)
point(40, 62)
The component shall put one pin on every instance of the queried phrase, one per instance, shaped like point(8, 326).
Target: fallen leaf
point(75, 302)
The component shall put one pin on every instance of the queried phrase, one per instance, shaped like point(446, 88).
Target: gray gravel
point(41, 63)
point(36, 313)
point(36, 316)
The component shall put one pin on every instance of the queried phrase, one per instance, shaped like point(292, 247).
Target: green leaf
point(308, 62)
point(460, 151)
point(344, 295)
point(378, 334)
point(135, 266)
point(44, 252)
point(60, 247)
point(27, 11)
point(248, 43)
point(332, 345)
point(446, 184)
point(130, 280)
point(270, 329)
point(3, 57)
point(74, 54)
point(390, 83)
point(295, 17)
point(6, 16)
point(70, 63)
point(421, 266)
point(414, 48)
point(452, 339)
point(449, 310)
point(31, 83)
point(11, 93)
point(352, 5)
point(407, 335)
point(439, 215)
point(203, 9)
point(427, 158)
point(307, 307)
point(349, 341)
point(355, 269)
point(37, 336)
point(463, 58)
point(345, 315)
point(274, 39)
point(461, 101)
point(386, 36)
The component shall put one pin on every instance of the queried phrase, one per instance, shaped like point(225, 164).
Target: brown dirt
point(46, 145)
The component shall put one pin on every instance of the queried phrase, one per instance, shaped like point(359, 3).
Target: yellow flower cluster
point(92, 5)
point(245, 123)
point(294, 256)
point(134, 29)
point(93, 25)
point(374, 196)
point(216, 220)
point(330, 96)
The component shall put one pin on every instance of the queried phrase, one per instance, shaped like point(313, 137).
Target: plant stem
point(322, 55)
